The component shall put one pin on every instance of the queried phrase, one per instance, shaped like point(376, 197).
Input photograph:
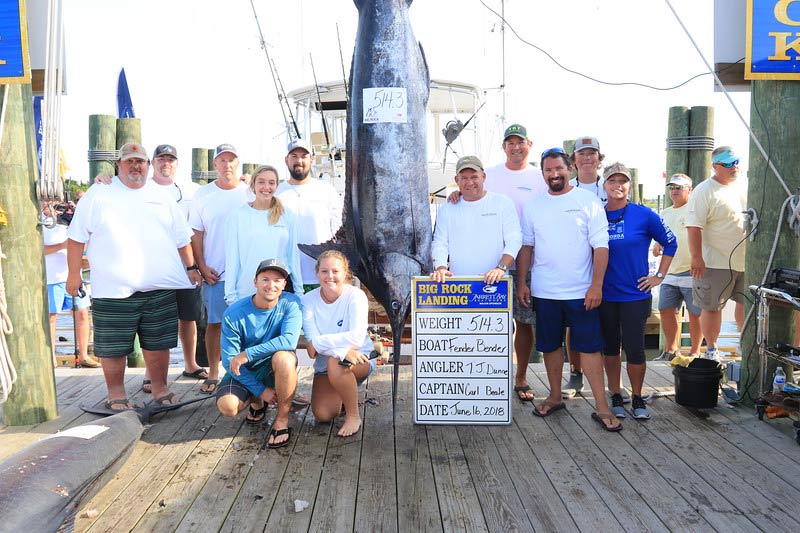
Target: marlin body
point(43, 486)
point(386, 233)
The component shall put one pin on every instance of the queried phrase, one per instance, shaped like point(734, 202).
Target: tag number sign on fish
point(385, 104)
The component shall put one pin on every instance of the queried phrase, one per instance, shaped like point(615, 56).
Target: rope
point(110, 156)
point(8, 374)
point(204, 175)
point(690, 142)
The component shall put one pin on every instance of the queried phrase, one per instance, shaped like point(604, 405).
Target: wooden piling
point(102, 136)
point(33, 396)
point(677, 160)
point(701, 124)
point(635, 186)
point(129, 130)
point(779, 104)
point(199, 164)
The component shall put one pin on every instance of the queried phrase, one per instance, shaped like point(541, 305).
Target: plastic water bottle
point(779, 381)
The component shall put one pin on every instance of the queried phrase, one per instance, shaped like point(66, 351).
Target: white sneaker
point(713, 354)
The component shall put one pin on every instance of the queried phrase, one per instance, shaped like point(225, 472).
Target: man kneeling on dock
point(259, 336)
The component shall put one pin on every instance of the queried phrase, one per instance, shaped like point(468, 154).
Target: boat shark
point(386, 232)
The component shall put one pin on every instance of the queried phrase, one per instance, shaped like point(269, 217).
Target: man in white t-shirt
point(315, 203)
point(210, 206)
point(137, 242)
point(478, 236)
point(565, 233)
point(55, 259)
point(716, 244)
point(520, 181)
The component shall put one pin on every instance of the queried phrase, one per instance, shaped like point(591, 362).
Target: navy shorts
point(552, 317)
point(623, 324)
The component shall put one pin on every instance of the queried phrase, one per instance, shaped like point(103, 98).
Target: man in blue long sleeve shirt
point(259, 336)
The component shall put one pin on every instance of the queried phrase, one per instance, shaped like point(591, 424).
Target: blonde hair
point(276, 209)
point(334, 254)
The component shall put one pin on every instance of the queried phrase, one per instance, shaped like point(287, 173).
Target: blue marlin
point(386, 232)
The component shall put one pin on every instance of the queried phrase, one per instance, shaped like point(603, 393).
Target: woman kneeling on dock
point(335, 325)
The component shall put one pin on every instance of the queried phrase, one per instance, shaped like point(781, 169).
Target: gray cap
point(581, 143)
point(222, 148)
point(132, 151)
point(469, 161)
point(272, 264)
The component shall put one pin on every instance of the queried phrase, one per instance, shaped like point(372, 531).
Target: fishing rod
point(321, 107)
point(283, 92)
point(273, 72)
point(341, 61)
point(452, 130)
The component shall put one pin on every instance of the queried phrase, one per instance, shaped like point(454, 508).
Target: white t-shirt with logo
point(133, 238)
point(595, 187)
point(475, 235)
point(210, 206)
point(318, 209)
point(182, 192)
point(55, 263)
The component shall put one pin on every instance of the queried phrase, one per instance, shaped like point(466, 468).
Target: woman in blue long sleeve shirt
point(627, 299)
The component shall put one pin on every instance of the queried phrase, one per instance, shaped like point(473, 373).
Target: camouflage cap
point(132, 151)
point(616, 168)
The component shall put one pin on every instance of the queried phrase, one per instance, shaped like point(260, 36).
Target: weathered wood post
point(677, 158)
point(102, 144)
point(33, 397)
point(779, 104)
point(199, 165)
point(701, 128)
point(635, 186)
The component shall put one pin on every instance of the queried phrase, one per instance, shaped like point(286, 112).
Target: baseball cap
point(165, 149)
point(132, 151)
point(515, 129)
point(272, 264)
point(616, 168)
point(680, 179)
point(222, 148)
point(298, 143)
point(469, 161)
point(581, 143)
point(726, 155)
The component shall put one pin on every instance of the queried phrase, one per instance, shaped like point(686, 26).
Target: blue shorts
point(230, 385)
point(358, 381)
point(214, 300)
point(59, 300)
point(552, 317)
point(671, 297)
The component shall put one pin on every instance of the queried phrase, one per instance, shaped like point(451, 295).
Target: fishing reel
point(452, 130)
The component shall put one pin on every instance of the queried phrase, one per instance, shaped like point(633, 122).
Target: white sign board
point(463, 369)
point(385, 104)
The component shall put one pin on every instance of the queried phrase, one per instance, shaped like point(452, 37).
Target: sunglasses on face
point(729, 165)
point(551, 151)
point(675, 187)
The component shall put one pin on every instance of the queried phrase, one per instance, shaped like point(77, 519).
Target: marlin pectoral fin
point(314, 250)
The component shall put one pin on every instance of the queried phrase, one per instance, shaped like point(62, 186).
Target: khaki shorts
point(712, 291)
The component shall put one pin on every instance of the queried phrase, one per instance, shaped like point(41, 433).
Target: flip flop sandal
point(602, 421)
point(200, 373)
point(111, 403)
point(214, 382)
point(275, 433)
point(551, 408)
point(525, 398)
point(164, 400)
point(256, 416)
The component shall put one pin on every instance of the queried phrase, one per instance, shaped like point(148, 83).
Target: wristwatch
point(193, 267)
point(659, 275)
point(502, 267)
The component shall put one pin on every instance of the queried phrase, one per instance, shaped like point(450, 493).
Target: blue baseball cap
point(726, 155)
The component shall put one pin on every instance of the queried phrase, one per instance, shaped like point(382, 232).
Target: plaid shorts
point(152, 314)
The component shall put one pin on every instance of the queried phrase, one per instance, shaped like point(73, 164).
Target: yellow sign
point(773, 40)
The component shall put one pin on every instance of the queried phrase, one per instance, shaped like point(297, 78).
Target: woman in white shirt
point(335, 325)
point(261, 229)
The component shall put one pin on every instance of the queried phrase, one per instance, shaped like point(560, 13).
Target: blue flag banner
point(124, 103)
point(37, 122)
point(14, 60)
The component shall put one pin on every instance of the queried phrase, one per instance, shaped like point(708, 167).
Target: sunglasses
point(729, 165)
point(675, 187)
point(552, 151)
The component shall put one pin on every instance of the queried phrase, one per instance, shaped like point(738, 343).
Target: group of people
point(164, 252)
point(578, 254)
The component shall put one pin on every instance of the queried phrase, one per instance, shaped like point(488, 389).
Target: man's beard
point(298, 174)
point(557, 187)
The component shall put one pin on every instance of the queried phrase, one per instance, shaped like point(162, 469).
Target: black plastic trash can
point(697, 385)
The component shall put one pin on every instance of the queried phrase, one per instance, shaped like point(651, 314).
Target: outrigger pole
point(273, 71)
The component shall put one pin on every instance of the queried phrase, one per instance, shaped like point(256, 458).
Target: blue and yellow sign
point(14, 59)
point(773, 40)
point(461, 294)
